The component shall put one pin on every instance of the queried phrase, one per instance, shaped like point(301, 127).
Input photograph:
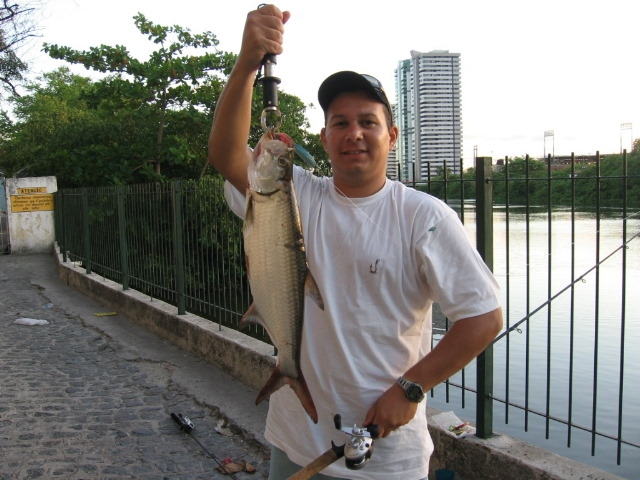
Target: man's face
point(358, 139)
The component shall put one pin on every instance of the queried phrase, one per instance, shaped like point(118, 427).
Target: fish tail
point(299, 386)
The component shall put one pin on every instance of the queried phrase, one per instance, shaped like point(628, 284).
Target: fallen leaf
point(228, 467)
point(231, 467)
point(222, 429)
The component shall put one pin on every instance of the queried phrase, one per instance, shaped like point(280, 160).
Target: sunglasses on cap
point(350, 81)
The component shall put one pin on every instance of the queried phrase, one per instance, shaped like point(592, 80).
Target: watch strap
point(407, 385)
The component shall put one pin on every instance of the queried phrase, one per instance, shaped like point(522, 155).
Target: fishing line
point(360, 209)
point(579, 279)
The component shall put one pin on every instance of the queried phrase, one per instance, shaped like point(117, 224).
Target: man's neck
point(358, 190)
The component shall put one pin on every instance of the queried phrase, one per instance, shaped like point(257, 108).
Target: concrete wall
point(30, 213)
point(251, 361)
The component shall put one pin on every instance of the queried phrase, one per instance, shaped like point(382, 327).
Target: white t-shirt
point(379, 262)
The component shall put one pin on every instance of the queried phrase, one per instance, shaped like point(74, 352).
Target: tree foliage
point(583, 185)
point(15, 28)
point(56, 133)
point(527, 181)
point(144, 121)
point(170, 80)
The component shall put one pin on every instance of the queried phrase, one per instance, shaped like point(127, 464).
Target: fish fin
point(299, 386)
point(251, 317)
point(247, 265)
point(248, 209)
point(311, 290)
point(254, 317)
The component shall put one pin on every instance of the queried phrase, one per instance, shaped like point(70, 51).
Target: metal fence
point(5, 245)
point(180, 243)
point(176, 242)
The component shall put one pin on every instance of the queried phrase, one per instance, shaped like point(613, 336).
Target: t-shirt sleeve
point(458, 278)
point(235, 199)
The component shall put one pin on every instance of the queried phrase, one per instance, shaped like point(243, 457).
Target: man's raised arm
point(228, 150)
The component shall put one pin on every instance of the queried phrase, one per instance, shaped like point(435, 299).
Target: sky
point(567, 66)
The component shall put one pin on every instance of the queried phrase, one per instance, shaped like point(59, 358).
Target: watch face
point(414, 393)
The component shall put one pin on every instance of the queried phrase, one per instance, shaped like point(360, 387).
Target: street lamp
point(549, 133)
point(624, 127)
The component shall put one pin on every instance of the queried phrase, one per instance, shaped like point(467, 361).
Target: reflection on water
point(576, 354)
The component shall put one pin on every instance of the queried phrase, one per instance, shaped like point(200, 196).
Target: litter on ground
point(31, 321)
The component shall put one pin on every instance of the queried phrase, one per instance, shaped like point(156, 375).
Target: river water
point(575, 355)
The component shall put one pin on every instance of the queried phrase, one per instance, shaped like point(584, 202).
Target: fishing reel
point(185, 423)
point(358, 450)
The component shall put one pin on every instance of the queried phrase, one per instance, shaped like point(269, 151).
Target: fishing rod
point(356, 452)
point(581, 278)
point(186, 425)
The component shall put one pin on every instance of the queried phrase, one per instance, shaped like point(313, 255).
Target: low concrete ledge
point(501, 457)
point(245, 358)
point(251, 361)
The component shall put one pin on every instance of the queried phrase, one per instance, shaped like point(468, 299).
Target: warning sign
point(29, 190)
point(32, 203)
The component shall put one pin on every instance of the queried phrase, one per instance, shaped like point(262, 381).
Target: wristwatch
point(412, 390)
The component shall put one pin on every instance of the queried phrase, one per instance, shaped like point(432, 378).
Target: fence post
point(484, 244)
point(178, 242)
point(122, 229)
point(86, 231)
point(60, 224)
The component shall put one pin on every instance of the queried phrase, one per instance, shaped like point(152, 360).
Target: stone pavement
point(89, 396)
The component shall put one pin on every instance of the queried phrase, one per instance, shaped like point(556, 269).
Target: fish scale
point(277, 268)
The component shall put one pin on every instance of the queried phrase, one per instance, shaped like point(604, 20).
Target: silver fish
point(279, 276)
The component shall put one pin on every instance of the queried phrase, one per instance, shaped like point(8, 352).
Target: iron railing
point(180, 243)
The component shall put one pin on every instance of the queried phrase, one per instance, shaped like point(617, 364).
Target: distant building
point(428, 114)
point(393, 167)
point(561, 162)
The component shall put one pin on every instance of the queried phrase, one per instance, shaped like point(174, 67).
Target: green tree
point(95, 133)
point(121, 128)
point(609, 190)
point(55, 132)
point(170, 79)
point(15, 28)
point(524, 175)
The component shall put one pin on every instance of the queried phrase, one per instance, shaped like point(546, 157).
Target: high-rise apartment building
point(428, 115)
point(393, 171)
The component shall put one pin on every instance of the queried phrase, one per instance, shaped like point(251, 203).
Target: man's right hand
point(263, 34)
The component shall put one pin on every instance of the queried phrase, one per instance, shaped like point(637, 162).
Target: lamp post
point(624, 127)
point(549, 133)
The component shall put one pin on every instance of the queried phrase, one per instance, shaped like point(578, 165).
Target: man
point(381, 254)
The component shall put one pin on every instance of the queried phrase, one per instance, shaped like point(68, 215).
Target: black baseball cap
point(348, 81)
